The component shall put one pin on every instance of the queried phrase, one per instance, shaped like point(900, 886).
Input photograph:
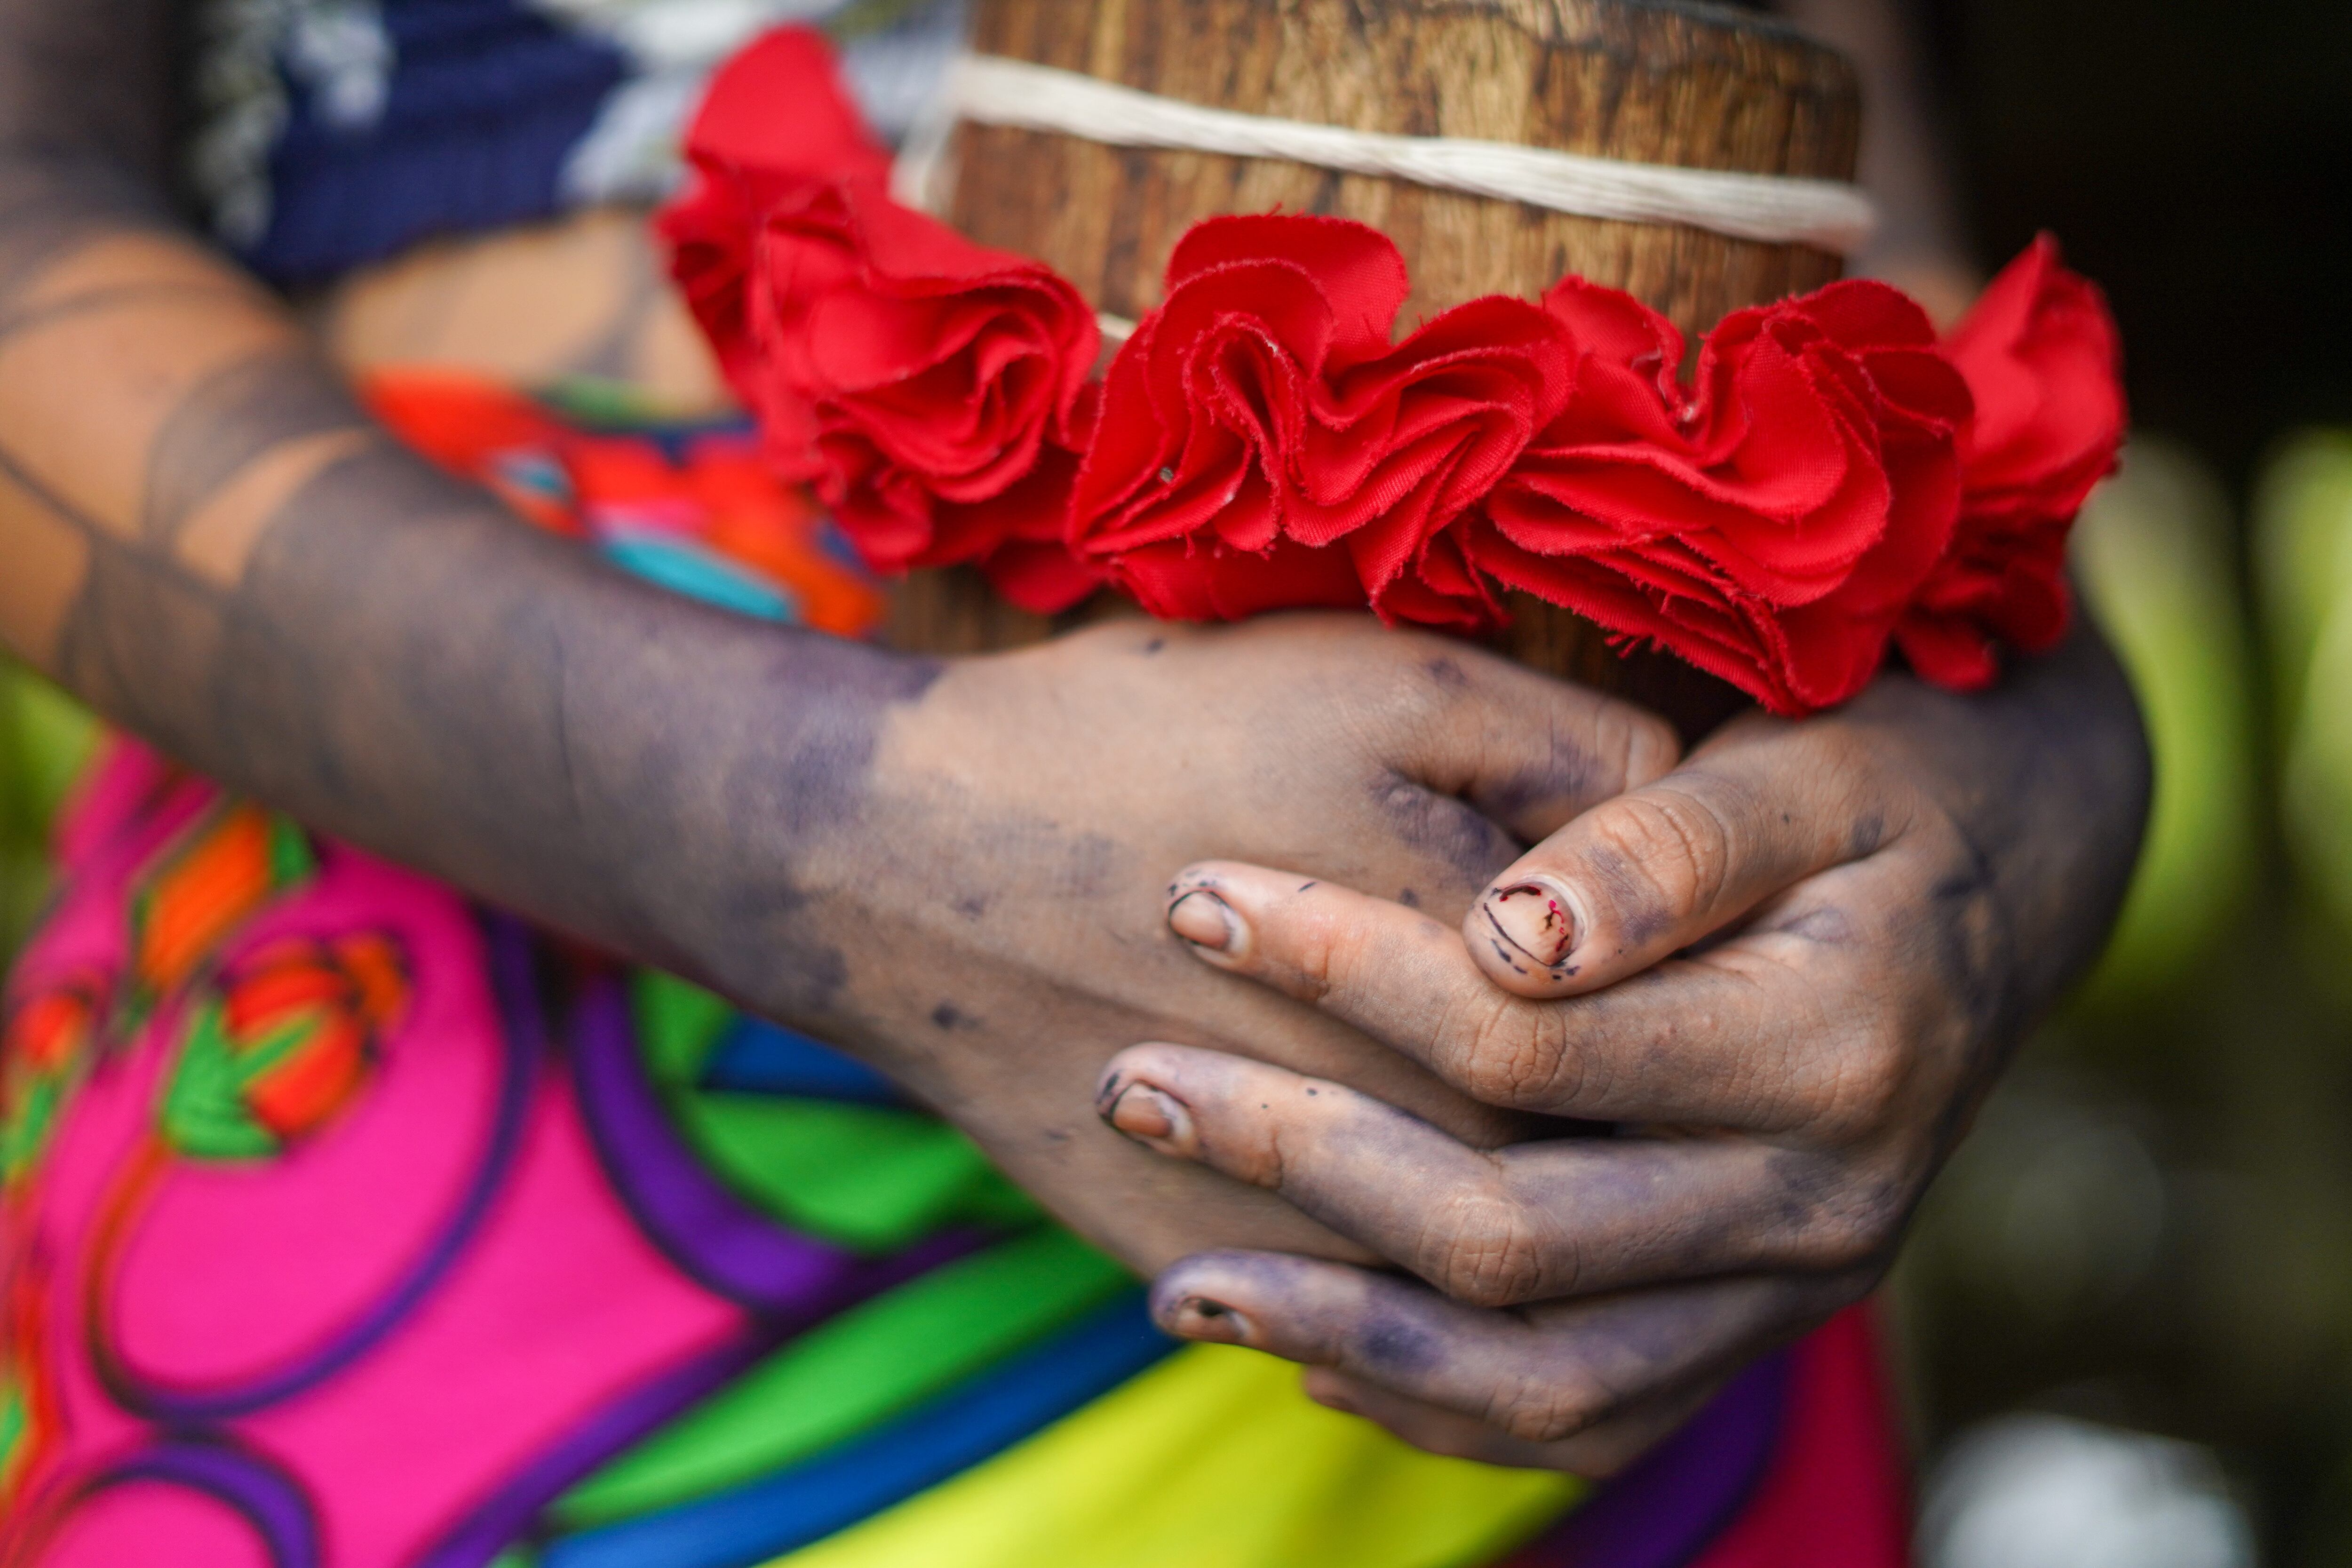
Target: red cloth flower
point(1831, 479)
point(2042, 357)
point(1261, 444)
point(747, 157)
point(1768, 524)
point(929, 387)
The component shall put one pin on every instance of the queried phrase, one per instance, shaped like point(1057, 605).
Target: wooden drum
point(1641, 81)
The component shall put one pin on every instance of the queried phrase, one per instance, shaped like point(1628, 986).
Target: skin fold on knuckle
point(1856, 1230)
point(1673, 852)
point(1863, 1081)
point(1481, 1246)
point(1788, 1074)
point(1512, 1053)
point(1824, 1214)
point(1538, 1408)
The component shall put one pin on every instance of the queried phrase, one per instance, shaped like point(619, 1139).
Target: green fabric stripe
point(857, 1370)
point(868, 1177)
point(874, 1178)
point(677, 1025)
point(44, 740)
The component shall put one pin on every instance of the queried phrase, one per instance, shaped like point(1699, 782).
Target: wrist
point(742, 787)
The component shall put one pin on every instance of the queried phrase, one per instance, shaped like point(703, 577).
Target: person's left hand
point(1783, 976)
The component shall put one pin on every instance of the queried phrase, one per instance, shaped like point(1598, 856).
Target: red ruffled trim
point(1832, 481)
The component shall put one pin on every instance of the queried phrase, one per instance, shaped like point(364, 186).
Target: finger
point(1596, 1453)
point(1528, 1223)
point(1656, 870)
point(1776, 1033)
point(1527, 750)
point(1539, 1374)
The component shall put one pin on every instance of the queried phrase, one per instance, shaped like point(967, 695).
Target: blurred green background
point(2150, 1232)
point(2151, 1229)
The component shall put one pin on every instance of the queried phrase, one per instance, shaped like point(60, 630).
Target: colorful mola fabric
point(346, 1225)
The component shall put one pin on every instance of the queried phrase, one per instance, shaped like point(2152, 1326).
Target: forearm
point(208, 541)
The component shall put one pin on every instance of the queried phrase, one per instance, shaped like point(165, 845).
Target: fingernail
point(1199, 1318)
point(1153, 1116)
point(1535, 919)
point(1205, 921)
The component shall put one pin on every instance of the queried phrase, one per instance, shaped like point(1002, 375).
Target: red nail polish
point(1535, 919)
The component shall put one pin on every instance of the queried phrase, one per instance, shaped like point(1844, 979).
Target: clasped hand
point(1764, 993)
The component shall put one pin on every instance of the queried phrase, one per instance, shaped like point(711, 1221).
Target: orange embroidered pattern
point(219, 875)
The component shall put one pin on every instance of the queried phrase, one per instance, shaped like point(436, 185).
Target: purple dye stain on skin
point(1388, 1342)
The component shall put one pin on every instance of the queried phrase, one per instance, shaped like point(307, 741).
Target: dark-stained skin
point(1795, 965)
point(953, 869)
point(957, 869)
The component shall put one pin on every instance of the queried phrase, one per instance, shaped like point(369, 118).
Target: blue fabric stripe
point(932, 1443)
point(684, 567)
point(755, 1056)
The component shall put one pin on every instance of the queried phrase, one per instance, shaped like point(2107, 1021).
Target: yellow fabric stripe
point(1212, 1460)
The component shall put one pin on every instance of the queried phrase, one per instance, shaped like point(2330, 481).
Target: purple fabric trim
point(791, 1284)
point(524, 1045)
point(271, 1502)
point(1680, 1496)
point(714, 1238)
point(509, 1514)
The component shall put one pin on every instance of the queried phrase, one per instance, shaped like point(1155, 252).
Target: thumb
point(1659, 868)
point(1531, 753)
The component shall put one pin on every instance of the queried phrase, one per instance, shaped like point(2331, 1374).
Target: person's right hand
point(985, 919)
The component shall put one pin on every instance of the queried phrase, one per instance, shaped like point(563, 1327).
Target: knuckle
point(1676, 841)
point(1513, 1053)
point(1486, 1248)
point(1864, 1085)
point(1855, 1229)
point(1545, 1410)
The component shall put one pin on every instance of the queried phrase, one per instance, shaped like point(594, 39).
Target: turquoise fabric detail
point(699, 573)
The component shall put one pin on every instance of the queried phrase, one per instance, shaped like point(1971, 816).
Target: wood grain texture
point(1670, 83)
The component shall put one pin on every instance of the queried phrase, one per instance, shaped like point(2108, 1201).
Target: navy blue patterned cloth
point(336, 133)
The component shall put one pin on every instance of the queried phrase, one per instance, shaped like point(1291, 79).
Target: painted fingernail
point(1205, 921)
point(1534, 920)
point(1152, 1116)
point(1199, 1318)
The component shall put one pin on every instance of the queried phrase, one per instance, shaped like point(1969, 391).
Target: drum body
point(1694, 86)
